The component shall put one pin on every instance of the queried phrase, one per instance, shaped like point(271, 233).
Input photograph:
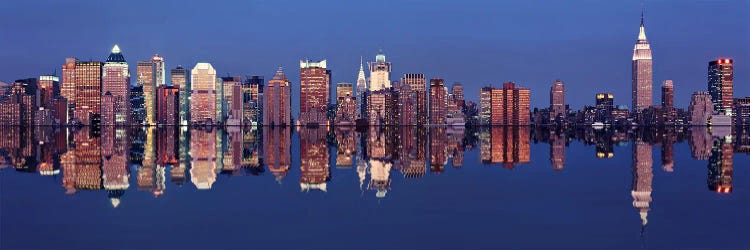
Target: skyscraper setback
point(116, 82)
point(203, 94)
point(721, 85)
point(642, 72)
point(315, 81)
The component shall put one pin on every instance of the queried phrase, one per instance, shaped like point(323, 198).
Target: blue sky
point(587, 44)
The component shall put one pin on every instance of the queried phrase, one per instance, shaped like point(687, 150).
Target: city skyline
point(612, 38)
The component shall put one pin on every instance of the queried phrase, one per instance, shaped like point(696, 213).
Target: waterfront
point(408, 187)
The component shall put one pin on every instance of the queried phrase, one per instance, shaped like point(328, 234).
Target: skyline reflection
point(114, 159)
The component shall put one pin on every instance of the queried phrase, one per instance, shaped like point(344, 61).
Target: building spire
point(642, 33)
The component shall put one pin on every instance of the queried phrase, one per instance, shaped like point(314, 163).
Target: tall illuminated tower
point(556, 100)
point(88, 85)
point(277, 101)
point(721, 84)
point(203, 93)
point(642, 72)
point(151, 75)
point(315, 82)
point(116, 81)
point(380, 71)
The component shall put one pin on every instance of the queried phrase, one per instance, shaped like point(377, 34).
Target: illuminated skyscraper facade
point(116, 82)
point(438, 101)
point(88, 86)
point(203, 94)
point(557, 100)
point(181, 80)
point(380, 72)
point(418, 85)
point(168, 105)
point(721, 85)
point(277, 109)
point(315, 82)
point(510, 105)
point(642, 72)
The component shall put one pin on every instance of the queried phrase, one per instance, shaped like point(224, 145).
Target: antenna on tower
point(643, 9)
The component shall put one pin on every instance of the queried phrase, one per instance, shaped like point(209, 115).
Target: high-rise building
point(380, 71)
point(642, 72)
point(253, 100)
point(88, 86)
point(605, 104)
point(438, 101)
point(457, 90)
point(669, 114)
point(49, 90)
point(721, 85)
point(108, 109)
point(203, 94)
point(418, 85)
point(138, 115)
point(228, 84)
point(181, 80)
point(700, 109)
point(277, 101)
point(510, 105)
point(315, 81)
point(557, 100)
point(361, 89)
point(168, 105)
point(485, 105)
point(151, 74)
point(116, 81)
point(67, 87)
point(407, 104)
point(344, 89)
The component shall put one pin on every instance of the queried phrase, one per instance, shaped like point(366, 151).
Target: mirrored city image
point(374, 124)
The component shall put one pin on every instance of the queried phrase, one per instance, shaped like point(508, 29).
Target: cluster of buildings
point(100, 93)
point(713, 107)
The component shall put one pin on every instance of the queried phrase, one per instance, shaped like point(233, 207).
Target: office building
point(701, 108)
point(510, 105)
point(315, 81)
point(721, 85)
point(438, 102)
point(418, 84)
point(203, 94)
point(277, 101)
point(557, 101)
point(116, 82)
point(88, 86)
point(380, 71)
point(168, 105)
point(181, 80)
point(642, 72)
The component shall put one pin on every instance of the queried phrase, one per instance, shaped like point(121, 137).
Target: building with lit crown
point(203, 94)
point(642, 72)
point(721, 85)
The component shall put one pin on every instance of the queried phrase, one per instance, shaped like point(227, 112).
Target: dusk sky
point(587, 44)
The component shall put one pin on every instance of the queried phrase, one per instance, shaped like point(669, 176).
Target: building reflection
point(643, 176)
point(102, 158)
point(505, 145)
point(314, 165)
point(203, 157)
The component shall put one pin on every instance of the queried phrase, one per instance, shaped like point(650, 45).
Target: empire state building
point(642, 72)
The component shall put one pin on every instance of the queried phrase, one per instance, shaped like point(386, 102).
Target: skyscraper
point(485, 105)
point(180, 80)
point(277, 101)
point(253, 99)
point(344, 89)
point(228, 84)
point(720, 85)
point(203, 94)
point(88, 85)
point(700, 108)
point(457, 90)
point(314, 97)
point(116, 81)
point(418, 85)
point(380, 72)
point(67, 88)
point(168, 105)
point(361, 89)
point(151, 75)
point(438, 101)
point(557, 100)
point(605, 103)
point(667, 102)
point(510, 105)
point(642, 72)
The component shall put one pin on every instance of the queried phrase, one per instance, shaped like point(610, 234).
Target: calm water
point(390, 188)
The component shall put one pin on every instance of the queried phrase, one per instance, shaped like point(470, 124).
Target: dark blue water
point(382, 188)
